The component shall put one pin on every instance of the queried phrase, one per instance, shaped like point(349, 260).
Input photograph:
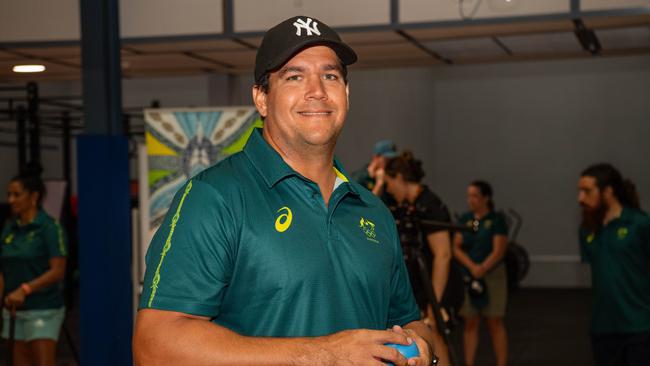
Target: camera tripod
point(415, 261)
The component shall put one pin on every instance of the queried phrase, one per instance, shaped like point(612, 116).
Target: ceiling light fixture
point(29, 68)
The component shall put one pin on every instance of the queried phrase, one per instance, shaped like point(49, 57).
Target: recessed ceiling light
point(29, 68)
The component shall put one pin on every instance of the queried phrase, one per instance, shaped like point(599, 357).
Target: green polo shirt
point(251, 244)
point(478, 244)
point(619, 254)
point(25, 253)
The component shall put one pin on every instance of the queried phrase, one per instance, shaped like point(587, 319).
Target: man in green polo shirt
point(273, 257)
point(615, 240)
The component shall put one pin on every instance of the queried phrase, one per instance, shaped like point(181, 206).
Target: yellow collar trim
point(340, 175)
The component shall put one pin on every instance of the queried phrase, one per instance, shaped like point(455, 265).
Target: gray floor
point(545, 326)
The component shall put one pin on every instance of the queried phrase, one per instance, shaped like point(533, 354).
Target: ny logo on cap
point(301, 24)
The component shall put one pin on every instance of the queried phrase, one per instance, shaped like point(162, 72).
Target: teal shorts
point(34, 324)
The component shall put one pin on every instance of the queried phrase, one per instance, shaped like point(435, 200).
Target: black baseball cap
point(286, 39)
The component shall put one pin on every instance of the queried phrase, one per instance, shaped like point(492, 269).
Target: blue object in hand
point(408, 351)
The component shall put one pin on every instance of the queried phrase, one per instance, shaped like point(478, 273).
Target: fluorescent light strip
point(29, 68)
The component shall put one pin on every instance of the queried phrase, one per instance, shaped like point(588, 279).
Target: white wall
point(50, 155)
point(609, 4)
point(35, 20)
point(171, 92)
point(255, 15)
point(145, 18)
point(413, 11)
point(528, 128)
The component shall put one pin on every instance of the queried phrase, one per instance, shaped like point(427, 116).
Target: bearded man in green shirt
point(615, 240)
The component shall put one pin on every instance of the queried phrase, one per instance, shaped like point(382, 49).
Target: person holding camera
point(413, 202)
point(481, 252)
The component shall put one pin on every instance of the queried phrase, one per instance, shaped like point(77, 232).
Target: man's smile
point(315, 113)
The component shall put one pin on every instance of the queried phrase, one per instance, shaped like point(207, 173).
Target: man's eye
point(331, 77)
point(293, 77)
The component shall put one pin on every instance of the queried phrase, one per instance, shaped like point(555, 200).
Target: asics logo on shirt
point(283, 221)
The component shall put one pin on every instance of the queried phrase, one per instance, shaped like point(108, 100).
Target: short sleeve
point(435, 211)
point(190, 258)
point(55, 240)
point(499, 226)
point(403, 308)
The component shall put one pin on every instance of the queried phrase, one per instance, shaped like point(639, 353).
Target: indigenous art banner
point(179, 144)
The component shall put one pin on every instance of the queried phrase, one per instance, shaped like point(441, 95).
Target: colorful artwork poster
point(182, 142)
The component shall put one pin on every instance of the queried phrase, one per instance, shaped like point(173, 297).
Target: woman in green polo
point(481, 253)
point(32, 267)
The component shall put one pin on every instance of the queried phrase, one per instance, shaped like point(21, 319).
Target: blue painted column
point(106, 315)
point(106, 320)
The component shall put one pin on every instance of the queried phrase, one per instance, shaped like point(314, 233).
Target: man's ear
point(347, 94)
point(260, 100)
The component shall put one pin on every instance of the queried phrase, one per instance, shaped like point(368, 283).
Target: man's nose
point(315, 88)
